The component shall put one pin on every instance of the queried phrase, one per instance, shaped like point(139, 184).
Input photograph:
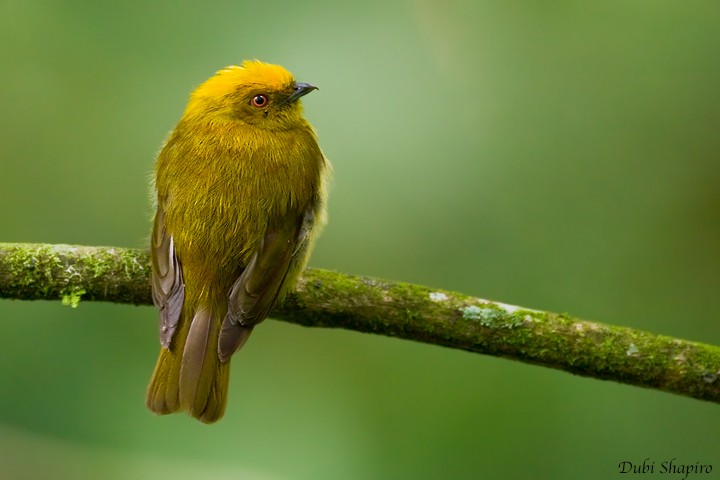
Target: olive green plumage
point(241, 195)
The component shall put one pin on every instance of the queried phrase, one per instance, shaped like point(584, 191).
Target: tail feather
point(199, 363)
point(163, 395)
point(217, 399)
point(155, 398)
point(189, 375)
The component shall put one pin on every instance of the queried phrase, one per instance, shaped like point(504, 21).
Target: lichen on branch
point(335, 300)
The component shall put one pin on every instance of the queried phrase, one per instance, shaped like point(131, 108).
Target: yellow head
point(255, 93)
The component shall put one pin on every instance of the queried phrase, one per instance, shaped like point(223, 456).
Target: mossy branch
point(329, 299)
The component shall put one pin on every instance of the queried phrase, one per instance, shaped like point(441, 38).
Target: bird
point(240, 195)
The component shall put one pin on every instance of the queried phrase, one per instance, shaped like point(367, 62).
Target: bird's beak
point(300, 90)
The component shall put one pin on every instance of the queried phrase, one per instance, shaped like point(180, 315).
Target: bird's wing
point(168, 289)
point(254, 293)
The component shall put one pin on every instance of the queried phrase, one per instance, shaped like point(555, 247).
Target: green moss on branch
point(74, 273)
point(413, 312)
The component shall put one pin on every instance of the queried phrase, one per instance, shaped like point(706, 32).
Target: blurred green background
point(556, 155)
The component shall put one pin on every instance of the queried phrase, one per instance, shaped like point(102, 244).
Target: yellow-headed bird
point(241, 189)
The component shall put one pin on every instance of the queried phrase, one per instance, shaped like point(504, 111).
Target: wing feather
point(168, 288)
point(254, 293)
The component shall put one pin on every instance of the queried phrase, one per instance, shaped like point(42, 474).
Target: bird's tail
point(189, 375)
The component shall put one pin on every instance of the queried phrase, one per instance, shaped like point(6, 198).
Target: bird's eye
point(259, 101)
